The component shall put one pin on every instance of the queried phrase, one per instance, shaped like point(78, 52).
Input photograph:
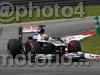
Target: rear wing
point(29, 29)
point(32, 29)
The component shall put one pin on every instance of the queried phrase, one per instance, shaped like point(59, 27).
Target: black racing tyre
point(27, 47)
point(35, 49)
point(74, 46)
point(14, 47)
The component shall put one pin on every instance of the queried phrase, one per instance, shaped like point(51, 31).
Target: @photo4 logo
point(9, 12)
point(6, 12)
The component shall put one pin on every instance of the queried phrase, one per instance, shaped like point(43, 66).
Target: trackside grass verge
point(89, 10)
point(91, 44)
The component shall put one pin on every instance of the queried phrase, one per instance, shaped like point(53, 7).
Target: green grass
point(89, 10)
point(91, 44)
point(92, 11)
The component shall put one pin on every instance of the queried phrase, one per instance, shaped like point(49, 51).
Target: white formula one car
point(32, 39)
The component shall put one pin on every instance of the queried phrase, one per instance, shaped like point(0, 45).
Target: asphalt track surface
point(54, 29)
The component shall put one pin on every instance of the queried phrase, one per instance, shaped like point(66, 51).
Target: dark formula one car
point(41, 45)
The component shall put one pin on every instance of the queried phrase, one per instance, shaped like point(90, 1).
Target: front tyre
point(74, 46)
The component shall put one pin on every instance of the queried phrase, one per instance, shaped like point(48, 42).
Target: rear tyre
point(14, 47)
point(35, 49)
point(74, 46)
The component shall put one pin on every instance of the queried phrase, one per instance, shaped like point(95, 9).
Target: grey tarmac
point(54, 29)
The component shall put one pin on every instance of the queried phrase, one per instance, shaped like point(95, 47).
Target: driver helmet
point(45, 37)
